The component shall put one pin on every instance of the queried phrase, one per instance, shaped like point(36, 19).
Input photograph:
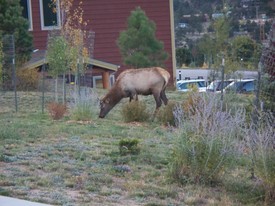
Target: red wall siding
point(107, 19)
point(39, 36)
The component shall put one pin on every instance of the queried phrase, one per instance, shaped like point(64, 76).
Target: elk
point(132, 82)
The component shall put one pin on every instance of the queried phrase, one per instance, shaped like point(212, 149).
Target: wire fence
point(267, 72)
point(32, 89)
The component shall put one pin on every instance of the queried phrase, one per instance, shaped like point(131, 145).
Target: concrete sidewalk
point(9, 201)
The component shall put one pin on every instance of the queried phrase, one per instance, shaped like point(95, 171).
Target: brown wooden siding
point(107, 19)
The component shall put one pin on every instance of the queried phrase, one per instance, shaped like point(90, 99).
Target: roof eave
point(94, 62)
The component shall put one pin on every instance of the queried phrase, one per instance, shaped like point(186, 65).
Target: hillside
point(196, 16)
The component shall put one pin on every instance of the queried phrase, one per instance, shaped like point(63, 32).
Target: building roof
point(38, 59)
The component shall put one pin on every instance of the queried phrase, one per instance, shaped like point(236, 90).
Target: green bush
point(9, 132)
point(260, 139)
point(28, 79)
point(135, 111)
point(129, 146)
point(206, 141)
point(165, 114)
point(267, 92)
point(265, 169)
point(198, 159)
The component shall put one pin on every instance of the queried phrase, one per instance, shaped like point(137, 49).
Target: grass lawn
point(67, 162)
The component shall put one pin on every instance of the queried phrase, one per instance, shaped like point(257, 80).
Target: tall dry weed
point(207, 139)
point(84, 104)
point(260, 139)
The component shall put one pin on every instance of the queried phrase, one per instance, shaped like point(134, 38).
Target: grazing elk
point(132, 82)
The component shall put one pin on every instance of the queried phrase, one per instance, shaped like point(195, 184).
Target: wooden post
point(106, 80)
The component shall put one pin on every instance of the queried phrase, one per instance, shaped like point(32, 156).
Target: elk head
point(105, 107)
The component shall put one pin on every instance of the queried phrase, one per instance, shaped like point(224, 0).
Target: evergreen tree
point(12, 22)
point(138, 44)
point(183, 56)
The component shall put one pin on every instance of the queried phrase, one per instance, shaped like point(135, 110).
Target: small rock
point(122, 168)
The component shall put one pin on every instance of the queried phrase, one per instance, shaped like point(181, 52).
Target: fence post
point(222, 80)
point(43, 87)
point(14, 73)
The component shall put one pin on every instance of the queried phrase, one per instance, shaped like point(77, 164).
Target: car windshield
point(182, 86)
point(217, 85)
point(225, 83)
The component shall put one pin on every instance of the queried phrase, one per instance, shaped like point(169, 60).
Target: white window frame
point(111, 80)
point(29, 7)
point(43, 27)
point(30, 15)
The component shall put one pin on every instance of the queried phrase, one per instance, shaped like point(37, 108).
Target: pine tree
point(12, 22)
point(138, 44)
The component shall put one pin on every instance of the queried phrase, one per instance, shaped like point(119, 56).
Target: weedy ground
point(68, 162)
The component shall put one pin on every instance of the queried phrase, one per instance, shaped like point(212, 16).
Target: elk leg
point(158, 102)
point(163, 97)
point(133, 96)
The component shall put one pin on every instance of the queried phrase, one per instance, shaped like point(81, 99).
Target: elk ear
point(107, 101)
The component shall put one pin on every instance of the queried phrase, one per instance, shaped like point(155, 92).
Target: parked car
point(186, 85)
point(241, 86)
point(216, 86)
point(232, 85)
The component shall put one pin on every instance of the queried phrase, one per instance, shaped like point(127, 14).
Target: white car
point(186, 85)
point(233, 85)
point(216, 86)
point(241, 86)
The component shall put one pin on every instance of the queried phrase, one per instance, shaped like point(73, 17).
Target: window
point(49, 14)
point(27, 11)
point(183, 86)
point(201, 84)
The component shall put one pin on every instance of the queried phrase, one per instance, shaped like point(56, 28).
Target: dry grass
point(76, 163)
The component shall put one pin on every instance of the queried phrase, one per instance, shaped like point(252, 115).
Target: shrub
point(165, 114)
point(268, 91)
point(198, 159)
point(260, 138)
point(8, 132)
point(206, 141)
point(129, 146)
point(83, 106)
point(190, 104)
point(135, 111)
point(233, 101)
point(56, 110)
point(28, 79)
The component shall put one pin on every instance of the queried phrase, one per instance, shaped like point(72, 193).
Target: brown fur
point(132, 82)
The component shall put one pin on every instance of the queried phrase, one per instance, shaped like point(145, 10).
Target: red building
point(107, 19)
